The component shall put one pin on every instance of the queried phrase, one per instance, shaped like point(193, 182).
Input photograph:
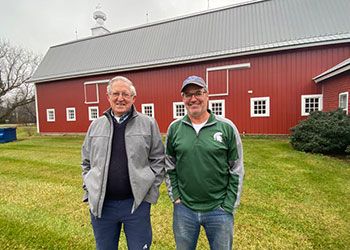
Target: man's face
point(120, 98)
point(196, 100)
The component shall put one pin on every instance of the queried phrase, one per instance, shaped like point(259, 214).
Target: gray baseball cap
point(194, 80)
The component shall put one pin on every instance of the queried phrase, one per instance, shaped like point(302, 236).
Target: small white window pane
point(179, 110)
point(310, 103)
point(70, 113)
point(260, 107)
point(217, 107)
point(148, 109)
point(344, 101)
point(50, 115)
point(93, 113)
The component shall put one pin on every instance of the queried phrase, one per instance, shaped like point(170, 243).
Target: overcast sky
point(38, 24)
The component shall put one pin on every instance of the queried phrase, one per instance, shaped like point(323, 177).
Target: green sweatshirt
point(205, 170)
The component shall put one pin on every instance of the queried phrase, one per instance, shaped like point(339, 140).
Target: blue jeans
point(137, 226)
point(218, 225)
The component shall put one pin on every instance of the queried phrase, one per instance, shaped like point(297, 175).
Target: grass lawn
point(291, 200)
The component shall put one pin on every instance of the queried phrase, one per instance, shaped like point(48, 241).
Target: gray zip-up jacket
point(145, 153)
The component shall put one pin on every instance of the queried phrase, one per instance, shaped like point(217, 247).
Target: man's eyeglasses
point(197, 94)
point(123, 94)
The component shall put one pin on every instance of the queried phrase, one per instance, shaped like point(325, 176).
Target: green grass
point(291, 200)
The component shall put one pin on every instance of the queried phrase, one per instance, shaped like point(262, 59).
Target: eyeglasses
point(123, 94)
point(197, 94)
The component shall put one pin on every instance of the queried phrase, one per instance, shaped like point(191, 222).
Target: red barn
point(266, 63)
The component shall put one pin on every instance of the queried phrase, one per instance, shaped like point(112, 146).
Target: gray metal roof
point(253, 27)
point(336, 70)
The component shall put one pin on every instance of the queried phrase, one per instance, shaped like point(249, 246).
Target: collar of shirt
point(121, 119)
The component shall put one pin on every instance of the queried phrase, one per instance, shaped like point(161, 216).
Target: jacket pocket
point(98, 151)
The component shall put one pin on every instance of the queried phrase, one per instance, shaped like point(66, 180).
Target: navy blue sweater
point(118, 182)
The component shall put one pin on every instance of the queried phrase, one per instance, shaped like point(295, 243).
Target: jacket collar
point(132, 112)
point(211, 119)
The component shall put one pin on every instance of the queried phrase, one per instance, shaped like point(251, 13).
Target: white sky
point(38, 24)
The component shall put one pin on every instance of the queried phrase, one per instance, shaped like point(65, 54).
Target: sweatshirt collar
point(210, 120)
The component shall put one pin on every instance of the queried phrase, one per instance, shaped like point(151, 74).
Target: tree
point(17, 66)
point(22, 115)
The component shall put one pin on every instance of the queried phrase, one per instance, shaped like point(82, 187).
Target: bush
point(323, 132)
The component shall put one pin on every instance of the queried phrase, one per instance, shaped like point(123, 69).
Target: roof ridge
point(208, 35)
point(159, 22)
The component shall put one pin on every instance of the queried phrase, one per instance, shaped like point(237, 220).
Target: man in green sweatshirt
point(204, 161)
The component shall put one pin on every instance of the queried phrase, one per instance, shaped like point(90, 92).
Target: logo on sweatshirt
point(218, 136)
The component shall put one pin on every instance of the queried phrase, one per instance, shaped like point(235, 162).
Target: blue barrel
point(7, 134)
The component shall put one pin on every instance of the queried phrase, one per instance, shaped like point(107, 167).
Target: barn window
point(50, 115)
point(148, 109)
point(217, 107)
point(70, 113)
point(310, 103)
point(260, 107)
point(218, 78)
point(219, 81)
point(179, 110)
point(93, 113)
point(91, 91)
point(343, 101)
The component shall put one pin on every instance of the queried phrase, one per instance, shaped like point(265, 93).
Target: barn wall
point(283, 76)
point(331, 88)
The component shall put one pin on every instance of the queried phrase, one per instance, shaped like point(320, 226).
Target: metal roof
point(336, 70)
point(253, 27)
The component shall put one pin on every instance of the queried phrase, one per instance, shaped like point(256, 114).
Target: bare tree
point(17, 65)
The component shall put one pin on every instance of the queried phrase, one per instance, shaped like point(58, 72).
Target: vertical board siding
point(91, 94)
point(217, 81)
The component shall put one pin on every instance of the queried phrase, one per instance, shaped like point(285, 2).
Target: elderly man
point(204, 161)
point(123, 167)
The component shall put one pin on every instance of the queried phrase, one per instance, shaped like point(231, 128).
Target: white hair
point(123, 79)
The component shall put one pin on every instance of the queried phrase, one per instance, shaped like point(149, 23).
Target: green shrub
point(323, 132)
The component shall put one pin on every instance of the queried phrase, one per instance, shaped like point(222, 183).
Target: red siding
point(331, 88)
point(217, 81)
point(91, 94)
point(283, 76)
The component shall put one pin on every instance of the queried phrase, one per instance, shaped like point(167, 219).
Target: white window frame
point(267, 105)
point(71, 119)
point(175, 114)
point(147, 105)
point(96, 83)
point(303, 99)
point(227, 68)
point(48, 116)
point(90, 112)
point(347, 101)
point(222, 105)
